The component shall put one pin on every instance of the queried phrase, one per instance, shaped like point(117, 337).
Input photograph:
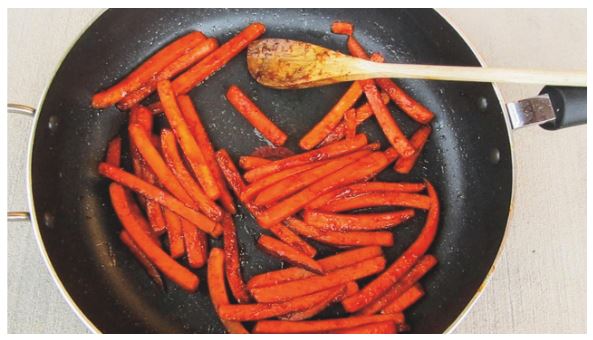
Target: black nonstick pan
point(468, 159)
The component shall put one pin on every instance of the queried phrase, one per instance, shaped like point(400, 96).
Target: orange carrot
point(342, 27)
point(141, 115)
point(113, 156)
point(191, 57)
point(322, 326)
point(196, 244)
point(217, 290)
point(174, 271)
point(188, 144)
point(326, 152)
point(174, 234)
point(385, 327)
point(332, 118)
point(292, 239)
point(418, 140)
point(152, 192)
point(350, 122)
point(408, 298)
point(287, 253)
point(153, 273)
point(336, 296)
point(346, 238)
point(402, 265)
point(230, 172)
point(376, 199)
point(232, 262)
point(252, 162)
point(362, 222)
point(292, 289)
point(147, 70)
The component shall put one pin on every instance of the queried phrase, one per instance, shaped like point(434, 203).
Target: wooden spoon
point(289, 64)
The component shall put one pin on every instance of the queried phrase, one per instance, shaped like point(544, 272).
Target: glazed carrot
point(174, 234)
point(362, 222)
point(323, 326)
point(255, 116)
point(141, 115)
point(217, 289)
point(355, 48)
point(385, 327)
point(177, 273)
point(188, 144)
point(408, 298)
point(153, 273)
point(152, 192)
point(296, 182)
point(345, 238)
point(287, 253)
point(342, 27)
point(232, 262)
point(292, 239)
point(336, 296)
point(199, 131)
point(329, 151)
point(292, 289)
point(418, 140)
point(230, 172)
point(350, 122)
point(113, 156)
point(147, 70)
point(332, 118)
point(397, 269)
point(408, 105)
point(196, 244)
point(358, 171)
point(377, 199)
point(252, 162)
point(176, 164)
point(191, 57)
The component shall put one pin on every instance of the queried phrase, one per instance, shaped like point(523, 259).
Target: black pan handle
point(570, 106)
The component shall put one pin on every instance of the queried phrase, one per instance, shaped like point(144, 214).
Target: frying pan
point(468, 158)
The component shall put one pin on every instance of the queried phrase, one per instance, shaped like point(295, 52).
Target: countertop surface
point(539, 285)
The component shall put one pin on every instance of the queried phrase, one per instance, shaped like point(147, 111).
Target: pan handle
point(14, 216)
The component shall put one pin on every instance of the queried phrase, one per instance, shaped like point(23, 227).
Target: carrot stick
point(292, 239)
point(252, 162)
point(196, 244)
point(342, 27)
point(424, 264)
point(332, 118)
point(350, 122)
point(176, 164)
point(329, 264)
point(347, 238)
point(292, 289)
point(201, 136)
point(355, 48)
point(377, 199)
point(217, 289)
point(151, 270)
point(147, 70)
point(191, 57)
point(322, 326)
point(232, 262)
point(255, 116)
point(361, 222)
point(418, 140)
point(230, 172)
point(152, 192)
point(174, 234)
point(113, 156)
point(398, 269)
point(336, 296)
point(141, 115)
point(329, 151)
point(170, 268)
point(188, 144)
point(287, 253)
point(408, 298)
point(360, 170)
point(385, 327)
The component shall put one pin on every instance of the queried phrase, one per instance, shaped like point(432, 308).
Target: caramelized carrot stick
point(174, 234)
point(113, 156)
point(329, 151)
point(385, 327)
point(361, 222)
point(196, 244)
point(230, 172)
point(342, 27)
point(161, 197)
point(217, 290)
point(191, 57)
point(336, 296)
point(287, 253)
point(174, 271)
point(408, 298)
point(418, 140)
point(398, 269)
point(322, 326)
point(232, 262)
point(350, 122)
point(188, 144)
point(141, 257)
point(252, 162)
point(377, 199)
point(292, 239)
point(147, 70)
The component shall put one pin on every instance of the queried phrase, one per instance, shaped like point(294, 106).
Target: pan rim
point(91, 326)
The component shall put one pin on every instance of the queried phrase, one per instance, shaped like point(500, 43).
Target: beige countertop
point(539, 285)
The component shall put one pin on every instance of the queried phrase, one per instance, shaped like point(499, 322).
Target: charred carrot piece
point(329, 151)
point(360, 222)
point(418, 140)
point(287, 253)
point(176, 164)
point(252, 162)
point(217, 289)
point(255, 116)
point(332, 118)
point(188, 144)
point(113, 156)
point(292, 239)
point(230, 172)
point(293, 289)
point(196, 244)
point(386, 327)
point(345, 238)
point(408, 298)
point(358, 171)
point(398, 269)
point(329, 264)
point(323, 326)
point(232, 262)
point(377, 199)
point(153, 273)
point(174, 234)
point(191, 57)
point(152, 192)
point(167, 265)
point(147, 70)
point(342, 27)
point(335, 296)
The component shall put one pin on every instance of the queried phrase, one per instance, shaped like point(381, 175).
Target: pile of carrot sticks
point(185, 193)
